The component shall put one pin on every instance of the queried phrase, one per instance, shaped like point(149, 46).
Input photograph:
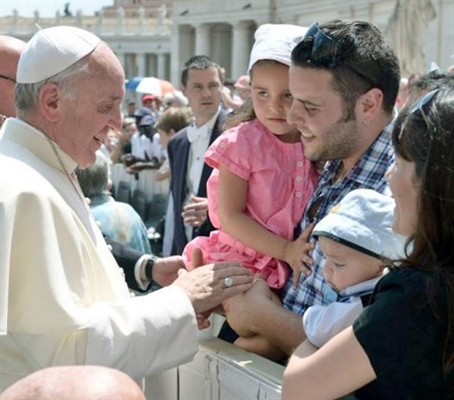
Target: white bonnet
point(275, 42)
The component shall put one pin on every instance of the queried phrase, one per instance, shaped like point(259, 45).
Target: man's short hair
point(199, 63)
point(27, 94)
point(428, 82)
point(357, 55)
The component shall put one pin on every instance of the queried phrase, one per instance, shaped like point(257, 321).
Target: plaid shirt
point(369, 173)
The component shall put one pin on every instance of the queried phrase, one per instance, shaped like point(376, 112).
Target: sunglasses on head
point(418, 107)
point(321, 50)
point(7, 78)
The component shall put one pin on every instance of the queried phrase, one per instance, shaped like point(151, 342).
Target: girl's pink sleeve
point(232, 150)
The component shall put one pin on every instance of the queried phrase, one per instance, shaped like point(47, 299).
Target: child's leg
point(259, 345)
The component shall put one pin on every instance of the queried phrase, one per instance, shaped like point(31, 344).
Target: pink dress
point(280, 182)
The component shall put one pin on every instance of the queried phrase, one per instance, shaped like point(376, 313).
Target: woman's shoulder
point(408, 285)
point(404, 278)
point(399, 299)
point(402, 275)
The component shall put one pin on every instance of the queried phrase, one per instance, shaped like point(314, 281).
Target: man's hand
point(241, 311)
point(195, 213)
point(136, 167)
point(165, 270)
point(141, 165)
point(128, 159)
point(257, 311)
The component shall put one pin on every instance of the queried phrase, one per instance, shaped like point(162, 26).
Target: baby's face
point(345, 266)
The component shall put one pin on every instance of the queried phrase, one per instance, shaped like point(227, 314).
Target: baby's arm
point(323, 322)
point(232, 194)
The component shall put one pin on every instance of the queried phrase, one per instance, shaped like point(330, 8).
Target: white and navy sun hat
point(363, 220)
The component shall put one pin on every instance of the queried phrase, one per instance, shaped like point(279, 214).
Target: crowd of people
point(316, 201)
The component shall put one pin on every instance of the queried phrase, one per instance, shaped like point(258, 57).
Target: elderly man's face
point(94, 108)
point(10, 50)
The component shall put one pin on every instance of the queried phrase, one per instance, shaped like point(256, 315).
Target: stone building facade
point(156, 37)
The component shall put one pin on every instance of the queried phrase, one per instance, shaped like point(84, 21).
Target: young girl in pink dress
point(261, 180)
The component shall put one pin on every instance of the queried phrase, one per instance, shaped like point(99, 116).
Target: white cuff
point(139, 265)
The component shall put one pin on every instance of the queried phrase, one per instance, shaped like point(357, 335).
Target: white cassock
point(64, 300)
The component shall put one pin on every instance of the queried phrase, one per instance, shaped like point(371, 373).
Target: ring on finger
point(228, 282)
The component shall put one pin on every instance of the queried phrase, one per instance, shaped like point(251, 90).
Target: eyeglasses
point(421, 103)
point(320, 49)
point(7, 78)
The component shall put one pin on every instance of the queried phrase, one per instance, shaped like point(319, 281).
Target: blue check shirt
point(369, 173)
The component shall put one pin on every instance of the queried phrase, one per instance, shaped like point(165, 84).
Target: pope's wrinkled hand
point(206, 285)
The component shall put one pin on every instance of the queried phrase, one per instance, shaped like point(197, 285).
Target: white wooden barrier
point(219, 371)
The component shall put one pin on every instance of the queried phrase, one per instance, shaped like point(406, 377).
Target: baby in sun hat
point(357, 240)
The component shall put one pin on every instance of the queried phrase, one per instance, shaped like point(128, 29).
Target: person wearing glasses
point(10, 50)
point(344, 80)
point(428, 82)
point(402, 345)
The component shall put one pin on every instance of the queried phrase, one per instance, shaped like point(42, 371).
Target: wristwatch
point(149, 268)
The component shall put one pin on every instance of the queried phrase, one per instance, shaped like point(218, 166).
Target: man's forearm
point(281, 327)
point(256, 312)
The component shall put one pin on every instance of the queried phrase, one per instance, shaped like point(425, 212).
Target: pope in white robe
point(63, 298)
point(68, 302)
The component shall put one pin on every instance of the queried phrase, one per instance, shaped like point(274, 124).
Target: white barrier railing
point(144, 180)
point(219, 371)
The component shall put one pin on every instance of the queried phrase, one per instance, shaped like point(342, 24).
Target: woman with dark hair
point(402, 345)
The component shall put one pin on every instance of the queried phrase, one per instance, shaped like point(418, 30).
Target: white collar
point(202, 132)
